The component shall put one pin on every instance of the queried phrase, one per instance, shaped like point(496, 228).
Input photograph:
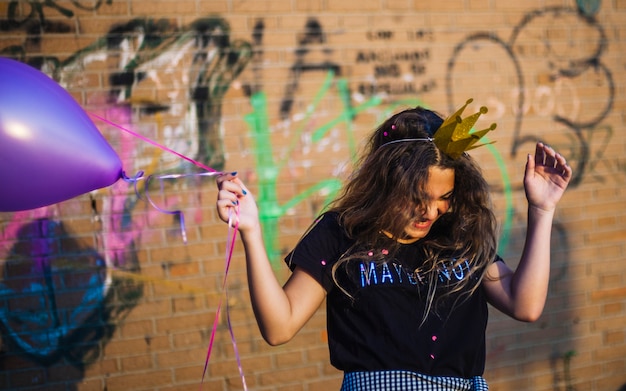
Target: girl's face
point(439, 187)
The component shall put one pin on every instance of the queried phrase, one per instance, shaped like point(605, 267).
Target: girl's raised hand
point(546, 178)
point(235, 202)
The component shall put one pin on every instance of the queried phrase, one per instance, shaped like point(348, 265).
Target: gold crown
point(453, 136)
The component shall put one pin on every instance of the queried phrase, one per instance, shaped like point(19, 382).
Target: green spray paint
point(268, 171)
point(509, 211)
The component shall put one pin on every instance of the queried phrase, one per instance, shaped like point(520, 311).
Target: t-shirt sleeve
point(319, 249)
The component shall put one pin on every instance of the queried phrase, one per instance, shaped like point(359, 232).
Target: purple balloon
point(50, 150)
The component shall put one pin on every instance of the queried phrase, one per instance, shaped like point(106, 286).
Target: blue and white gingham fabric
point(409, 381)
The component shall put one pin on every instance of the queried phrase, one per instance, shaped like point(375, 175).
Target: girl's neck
point(400, 240)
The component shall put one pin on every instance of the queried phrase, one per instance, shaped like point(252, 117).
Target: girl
point(406, 259)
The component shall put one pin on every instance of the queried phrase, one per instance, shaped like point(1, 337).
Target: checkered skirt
point(409, 381)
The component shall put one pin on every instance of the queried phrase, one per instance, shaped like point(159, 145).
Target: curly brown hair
point(387, 189)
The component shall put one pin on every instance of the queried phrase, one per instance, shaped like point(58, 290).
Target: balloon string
point(163, 147)
point(139, 176)
point(230, 245)
point(234, 343)
point(181, 215)
point(225, 288)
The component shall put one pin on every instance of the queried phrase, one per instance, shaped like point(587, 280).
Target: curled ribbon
point(233, 224)
point(181, 216)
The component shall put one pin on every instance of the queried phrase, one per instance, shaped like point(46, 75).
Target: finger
point(225, 208)
point(565, 169)
point(567, 173)
point(225, 203)
point(244, 189)
point(228, 196)
point(225, 177)
point(236, 186)
point(550, 160)
point(530, 165)
point(233, 185)
point(540, 154)
point(559, 160)
point(546, 156)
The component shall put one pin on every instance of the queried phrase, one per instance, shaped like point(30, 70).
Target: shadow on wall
point(60, 305)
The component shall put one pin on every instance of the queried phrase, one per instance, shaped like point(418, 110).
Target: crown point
point(454, 136)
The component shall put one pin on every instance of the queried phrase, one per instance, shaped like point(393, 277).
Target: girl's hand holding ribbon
point(233, 196)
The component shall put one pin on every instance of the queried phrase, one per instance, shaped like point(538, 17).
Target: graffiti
point(32, 12)
point(561, 363)
point(64, 303)
point(379, 34)
point(267, 168)
point(566, 70)
point(214, 63)
point(588, 7)
point(385, 65)
point(421, 35)
point(394, 72)
point(541, 75)
point(138, 47)
point(313, 35)
point(218, 63)
point(270, 209)
point(58, 303)
point(30, 16)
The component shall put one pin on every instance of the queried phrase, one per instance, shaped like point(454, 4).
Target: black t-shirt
point(381, 327)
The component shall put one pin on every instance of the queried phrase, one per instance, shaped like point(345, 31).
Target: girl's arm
point(522, 293)
point(280, 311)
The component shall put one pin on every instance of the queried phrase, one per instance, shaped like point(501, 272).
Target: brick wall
point(101, 292)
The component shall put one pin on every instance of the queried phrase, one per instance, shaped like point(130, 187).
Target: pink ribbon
point(230, 245)
point(163, 147)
